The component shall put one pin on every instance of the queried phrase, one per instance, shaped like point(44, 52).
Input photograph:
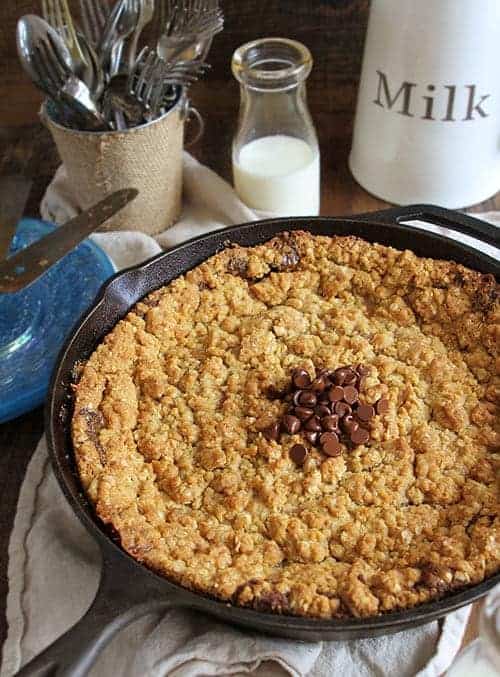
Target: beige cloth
point(54, 563)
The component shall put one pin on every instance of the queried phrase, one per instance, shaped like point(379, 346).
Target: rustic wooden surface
point(334, 31)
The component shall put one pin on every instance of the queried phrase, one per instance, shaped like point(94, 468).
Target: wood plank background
point(332, 29)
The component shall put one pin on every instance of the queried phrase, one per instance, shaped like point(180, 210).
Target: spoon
point(97, 82)
point(146, 13)
point(31, 29)
point(125, 29)
point(46, 59)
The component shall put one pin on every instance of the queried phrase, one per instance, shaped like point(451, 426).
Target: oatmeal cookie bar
point(170, 411)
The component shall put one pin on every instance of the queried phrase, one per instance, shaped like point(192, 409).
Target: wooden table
point(340, 195)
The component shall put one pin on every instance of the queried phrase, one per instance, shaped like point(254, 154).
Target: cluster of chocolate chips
point(326, 410)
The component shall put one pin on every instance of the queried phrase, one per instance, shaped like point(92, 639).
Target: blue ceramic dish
point(34, 322)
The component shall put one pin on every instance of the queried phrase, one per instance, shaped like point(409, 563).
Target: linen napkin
point(54, 564)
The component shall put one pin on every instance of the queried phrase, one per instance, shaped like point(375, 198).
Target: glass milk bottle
point(276, 162)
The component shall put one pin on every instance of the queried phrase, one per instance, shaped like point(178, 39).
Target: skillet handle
point(116, 604)
point(439, 216)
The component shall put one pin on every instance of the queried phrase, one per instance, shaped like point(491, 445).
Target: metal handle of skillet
point(439, 216)
point(122, 597)
point(117, 604)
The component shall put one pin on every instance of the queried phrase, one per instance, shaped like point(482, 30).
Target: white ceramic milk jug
point(427, 125)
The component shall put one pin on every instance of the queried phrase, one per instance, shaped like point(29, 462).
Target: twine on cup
point(148, 157)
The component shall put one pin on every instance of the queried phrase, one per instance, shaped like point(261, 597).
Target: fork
point(120, 24)
point(187, 46)
point(93, 14)
point(152, 79)
point(97, 83)
point(180, 16)
point(146, 13)
point(175, 15)
point(61, 84)
point(188, 28)
point(58, 15)
point(125, 28)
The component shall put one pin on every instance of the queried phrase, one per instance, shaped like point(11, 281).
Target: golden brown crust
point(169, 409)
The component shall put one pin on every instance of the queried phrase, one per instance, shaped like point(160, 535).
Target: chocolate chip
point(349, 424)
point(311, 437)
point(308, 399)
point(324, 437)
point(273, 393)
point(350, 377)
point(94, 422)
point(295, 397)
point(382, 406)
point(322, 410)
point(342, 409)
point(301, 378)
point(291, 424)
point(237, 266)
point(272, 432)
point(350, 394)
point(303, 413)
point(272, 601)
point(330, 423)
point(339, 375)
point(360, 436)
point(330, 444)
point(336, 394)
point(313, 424)
point(365, 412)
point(322, 407)
point(298, 454)
point(361, 382)
point(431, 577)
point(319, 384)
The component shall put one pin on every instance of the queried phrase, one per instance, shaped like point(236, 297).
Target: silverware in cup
point(153, 81)
point(125, 29)
point(189, 27)
point(97, 80)
point(47, 61)
point(120, 24)
point(120, 107)
point(93, 15)
point(31, 31)
point(60, 83)
point(57, 14)
point(108, 35)
point(83, 69)
point(146, 14)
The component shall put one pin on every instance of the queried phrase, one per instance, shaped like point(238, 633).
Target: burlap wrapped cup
point(148, 158)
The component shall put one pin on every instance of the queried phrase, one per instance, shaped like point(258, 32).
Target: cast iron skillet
point(127, 589)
